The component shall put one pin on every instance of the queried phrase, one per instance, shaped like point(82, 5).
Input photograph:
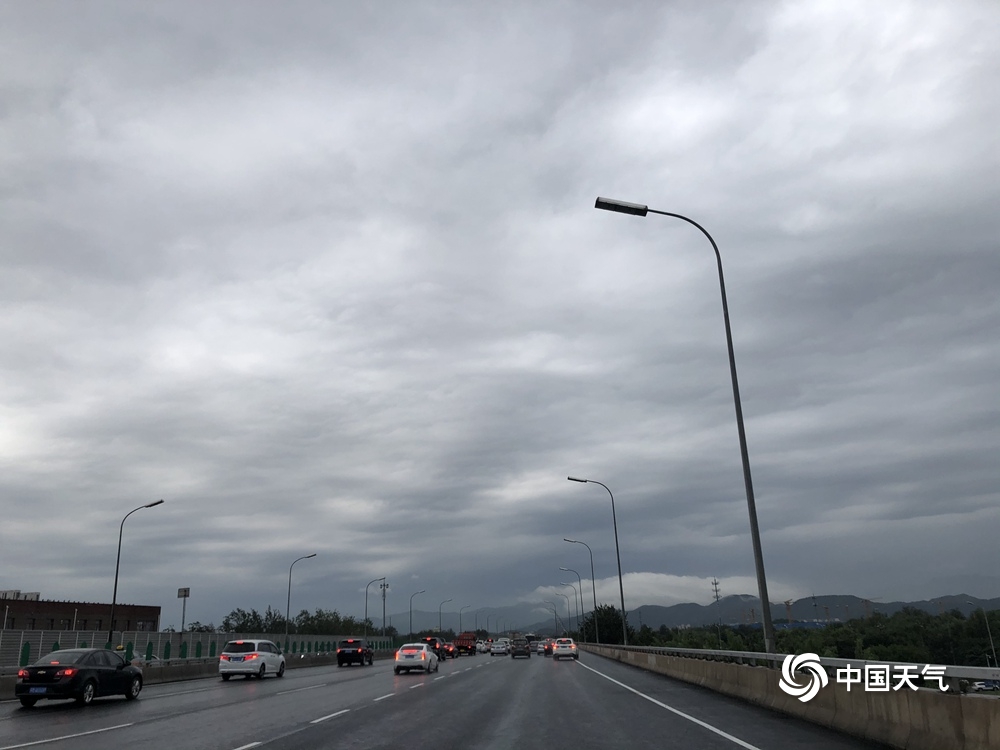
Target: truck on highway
point(465, 643)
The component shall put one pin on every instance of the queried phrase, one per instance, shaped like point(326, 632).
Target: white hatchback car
point(565, 648)
point(251, 659)
point(416, 656)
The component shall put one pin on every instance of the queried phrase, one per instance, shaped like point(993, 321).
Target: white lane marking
point(467, 669)
point(699, 722)
point(440, 678)
point(66, 737)
point(296, 690)
point(247, 747)
point(411, 688)
point(179, 692)
point(324, 718)
point(382, 698)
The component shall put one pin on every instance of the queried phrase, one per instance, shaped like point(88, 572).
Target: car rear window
point(240, 647)
point(61, 657)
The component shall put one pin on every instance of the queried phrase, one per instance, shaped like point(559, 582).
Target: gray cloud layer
point(328, 278)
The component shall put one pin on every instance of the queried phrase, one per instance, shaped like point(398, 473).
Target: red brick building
point(28, 611)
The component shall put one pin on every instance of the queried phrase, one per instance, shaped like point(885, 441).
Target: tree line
point(910, 635)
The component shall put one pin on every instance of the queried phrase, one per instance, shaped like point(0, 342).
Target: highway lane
point(478, 702)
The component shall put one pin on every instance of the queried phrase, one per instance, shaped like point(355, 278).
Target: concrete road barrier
point(924, 719)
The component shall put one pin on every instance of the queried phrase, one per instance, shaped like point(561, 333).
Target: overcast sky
point(327, 277)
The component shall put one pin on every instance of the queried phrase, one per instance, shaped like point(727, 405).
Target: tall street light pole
point(440, 626)
point(614, 520)
point(636, 209)
point(986, 617)
point(593, 584)
point(460, 616)
point(288, 603)
point(118, 560)
point(366, 602)
point(411, 610)
point(580, 593)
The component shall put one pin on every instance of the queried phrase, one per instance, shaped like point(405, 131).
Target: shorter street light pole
point(411, 610)
point(579, 592)
point(593, 584)
point(559, 593)
point(986, 617)
point(576, 602)
point(555, 616)
point(385, 587)
point(440, 626)
point(460, 616)
point(366, 602)
point(118, 560)
point(614, 521)
point(288, 603)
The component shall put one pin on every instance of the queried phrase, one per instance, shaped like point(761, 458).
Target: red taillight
point(22, 674)
point(423, 654)
point(224, 657)
point(250, 657)
point(66, 672)
point(359, 650)
point(338, 650)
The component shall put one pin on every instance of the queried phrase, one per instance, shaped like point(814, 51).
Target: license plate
point(409, 656)
point(235, 658)
point(38, 690)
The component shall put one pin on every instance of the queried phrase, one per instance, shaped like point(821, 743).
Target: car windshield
point(352, 643)
point(240, 647)
point(412, 647)
point(565, 642)
point(61, 657)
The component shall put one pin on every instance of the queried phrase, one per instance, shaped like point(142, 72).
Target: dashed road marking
point(65, 737)
point(331, 716)
point(297, 690)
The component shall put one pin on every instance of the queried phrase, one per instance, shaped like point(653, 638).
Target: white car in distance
point(420, 656)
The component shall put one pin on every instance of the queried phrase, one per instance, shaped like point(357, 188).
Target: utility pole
point(718, 611)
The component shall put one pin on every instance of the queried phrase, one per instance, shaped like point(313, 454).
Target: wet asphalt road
point(472, 702)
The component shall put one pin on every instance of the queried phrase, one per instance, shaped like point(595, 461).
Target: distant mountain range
point(738, 609)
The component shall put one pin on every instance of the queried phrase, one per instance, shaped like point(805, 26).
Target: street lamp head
point(308, 556)
point(622, 207)
point(150, 505)
point(574, 479)
point(571, 541)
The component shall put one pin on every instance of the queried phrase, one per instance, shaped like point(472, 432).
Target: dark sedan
point(78, 673)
